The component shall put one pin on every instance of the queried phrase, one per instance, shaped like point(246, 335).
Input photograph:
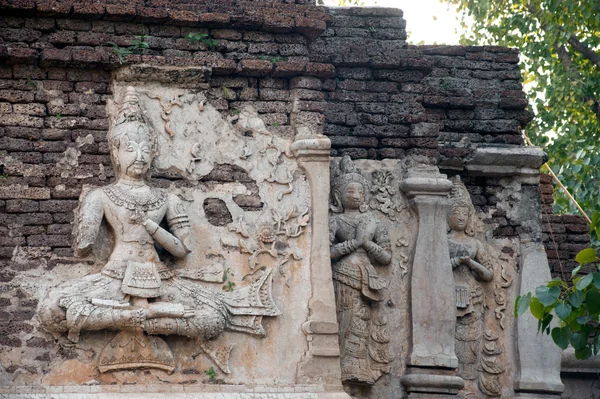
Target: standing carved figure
point(358, 242)
point(136, 293)
point(475, 345)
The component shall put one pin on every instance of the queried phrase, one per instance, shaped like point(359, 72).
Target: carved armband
point(344, 248)
point(178, 221)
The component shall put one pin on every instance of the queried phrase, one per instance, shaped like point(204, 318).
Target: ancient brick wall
point(564, 235)
point(392, 100)
point(345, 72)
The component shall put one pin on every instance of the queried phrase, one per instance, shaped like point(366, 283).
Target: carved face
point(353, 196)
point(135, 153)
point(459, 218)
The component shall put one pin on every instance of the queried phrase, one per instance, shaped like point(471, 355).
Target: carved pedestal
point(432, 361)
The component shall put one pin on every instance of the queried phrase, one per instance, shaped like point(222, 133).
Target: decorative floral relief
point(272, 238)
point(383, 194)
point(279, 174)
point(167, 106)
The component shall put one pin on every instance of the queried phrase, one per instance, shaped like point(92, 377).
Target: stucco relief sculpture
point(481, 281)
point(358, 243)
point(136, 294)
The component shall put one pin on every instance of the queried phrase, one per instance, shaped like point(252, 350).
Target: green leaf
point(547, 296)
point(522, 304)
point(578, 341)
point(545, 323)
point(575, 271)
point(562, 310)
point(586, 256)
point(583, 282)
point(592, 299)
point(583, 319)
point(583, 353)
point(576, 298)
point(561, 336)
point(536, 308)
point(596, 280)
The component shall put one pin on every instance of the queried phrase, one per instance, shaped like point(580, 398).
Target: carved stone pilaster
point(538, 358)
point(321, 362)
point(432, 361)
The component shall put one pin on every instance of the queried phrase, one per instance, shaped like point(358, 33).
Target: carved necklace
point(352, 221)
point(140, 202)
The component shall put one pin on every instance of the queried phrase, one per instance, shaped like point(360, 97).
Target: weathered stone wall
point(55, 74)
point(344, 72)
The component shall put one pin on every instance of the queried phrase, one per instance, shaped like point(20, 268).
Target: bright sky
point(427, 21)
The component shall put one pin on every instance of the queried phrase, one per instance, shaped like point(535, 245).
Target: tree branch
point(566, 61)
point(585, 50)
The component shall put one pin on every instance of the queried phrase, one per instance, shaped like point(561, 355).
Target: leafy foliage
point(138, 45)
point(211, 373)
point(559, 43)
point(202, 38)
point(575, 305)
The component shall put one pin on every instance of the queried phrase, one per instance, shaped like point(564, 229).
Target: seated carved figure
point(136, 292)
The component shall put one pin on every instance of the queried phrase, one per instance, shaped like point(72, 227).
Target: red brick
point(49, 240)
point(215, 20)
point(28, 72)
point(258, 37)
point(120, 12)
point(51, 8)
point(18, 55)
point(92, 38)
point(289, 69)
point(151, 15)
point(247, 21)
point(22, 206)
point(42, 24)
point(62, 37)
point(88, 11)
point(21, 7)
point(74, 24)
point(256, 67)
point(184, 18)
point(86, 56)
point(227, 34)
point(278, 23)
point(55, 57)
point(546, 179)
point(323, 71)
point(222, 66)
point(311, 28)
point(165, 31)
point(15, 96)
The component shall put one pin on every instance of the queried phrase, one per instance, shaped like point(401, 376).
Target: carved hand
point(137, 217)
point(365, 232)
